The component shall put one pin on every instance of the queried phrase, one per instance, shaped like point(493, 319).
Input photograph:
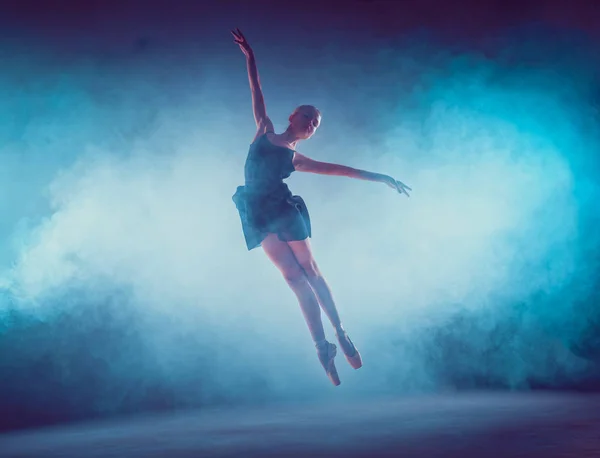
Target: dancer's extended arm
point(305, 164)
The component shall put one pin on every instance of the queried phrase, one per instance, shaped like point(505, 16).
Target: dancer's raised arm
point(263, 122)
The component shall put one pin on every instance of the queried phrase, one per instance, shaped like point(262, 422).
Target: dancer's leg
point(282, 256)
point(303, 254)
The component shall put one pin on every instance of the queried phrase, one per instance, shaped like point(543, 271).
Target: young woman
point(279, 222)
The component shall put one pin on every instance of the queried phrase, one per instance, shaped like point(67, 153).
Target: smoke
point(126, 270)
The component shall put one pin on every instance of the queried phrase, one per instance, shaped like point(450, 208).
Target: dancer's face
point(305, 120)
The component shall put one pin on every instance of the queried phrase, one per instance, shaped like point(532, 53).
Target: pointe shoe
point(326, 355)
point(349, 349)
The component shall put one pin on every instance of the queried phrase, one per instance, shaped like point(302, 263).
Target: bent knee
point(310, 268)
point(294, 275)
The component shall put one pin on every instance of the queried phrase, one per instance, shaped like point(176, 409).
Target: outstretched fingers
point(402, 188)
point(238, 36)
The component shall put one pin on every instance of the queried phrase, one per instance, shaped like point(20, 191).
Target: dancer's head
point(304, 121)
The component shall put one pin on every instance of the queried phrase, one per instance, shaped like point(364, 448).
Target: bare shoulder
point(303, 163)
point(264, 126)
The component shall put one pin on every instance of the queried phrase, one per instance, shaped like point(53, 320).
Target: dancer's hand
point(240, 39)
point(397, 185)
